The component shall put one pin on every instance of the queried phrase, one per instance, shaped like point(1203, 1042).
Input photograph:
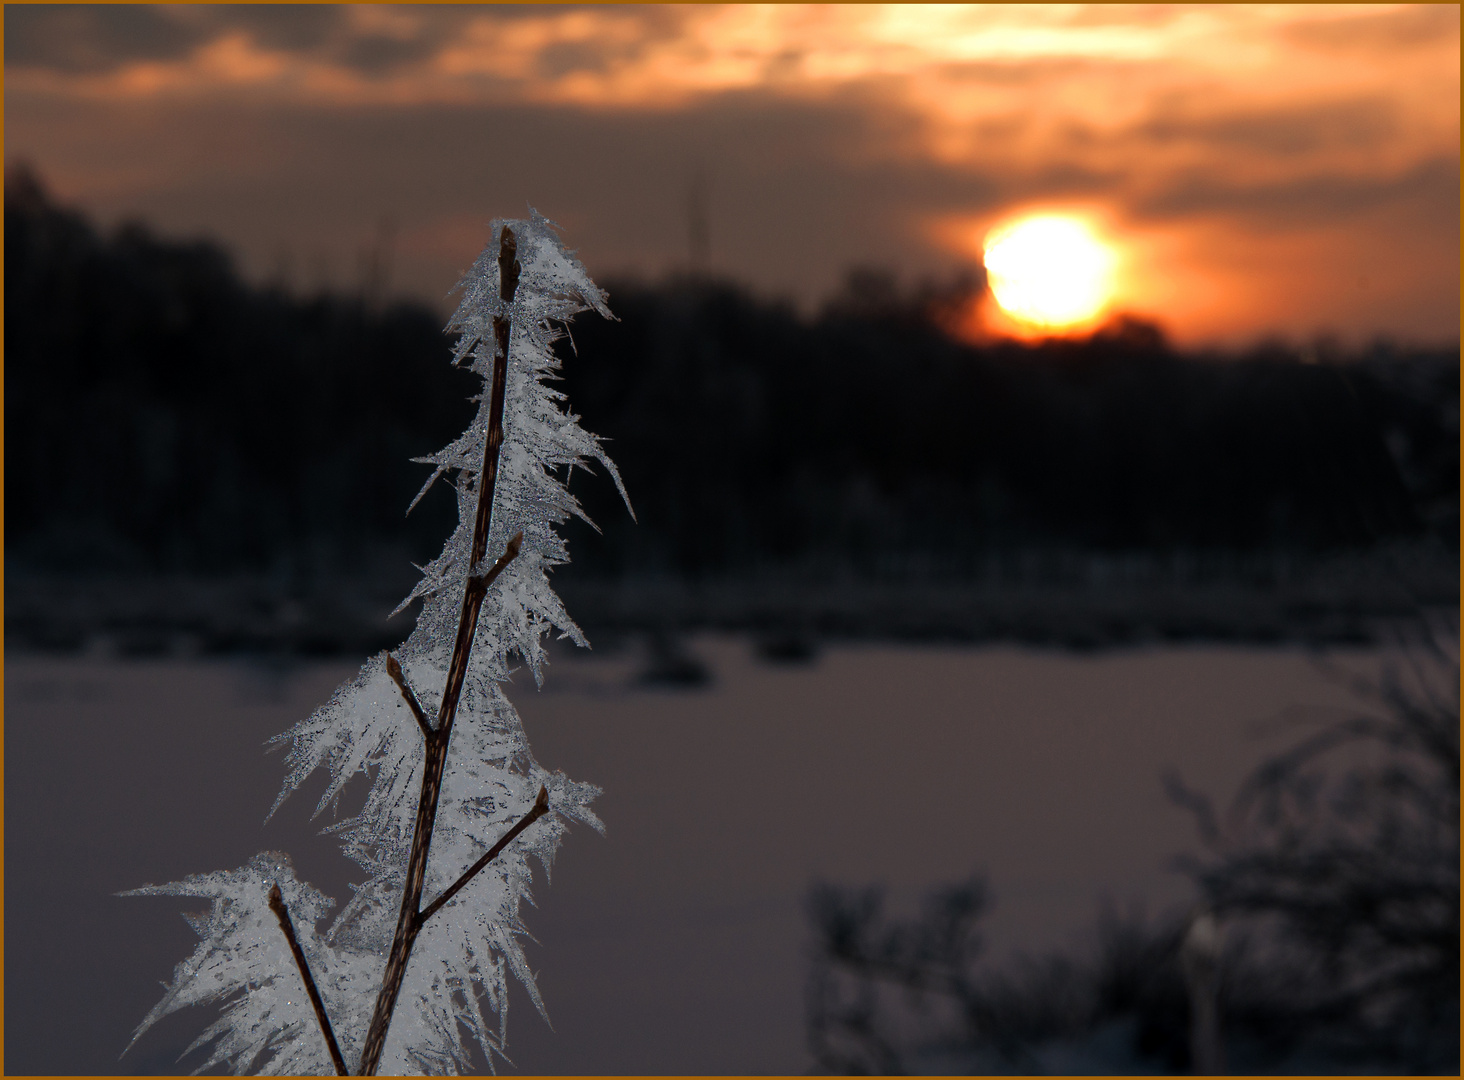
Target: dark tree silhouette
point(1334, 875)
point(1339, 862)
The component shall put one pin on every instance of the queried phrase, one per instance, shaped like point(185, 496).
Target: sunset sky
point(1252, 169)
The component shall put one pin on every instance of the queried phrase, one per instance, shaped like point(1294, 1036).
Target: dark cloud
point(567, 57)
point(794, 197)
point(798, 187)
point(299, 28)
point(91, 38)
point(379, 55)
point(1428, 190)
point(326, 32)
point(1360, 123)
point(98, 38)
point(797, 192)
point(1064, 180)
point(87, 39)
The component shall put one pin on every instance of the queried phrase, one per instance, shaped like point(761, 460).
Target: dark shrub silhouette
point(1335, 873)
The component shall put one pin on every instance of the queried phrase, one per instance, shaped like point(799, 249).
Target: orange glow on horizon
point(1250, 169)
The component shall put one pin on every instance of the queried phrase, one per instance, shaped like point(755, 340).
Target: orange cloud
point(1258, 90)
point(1205, 136)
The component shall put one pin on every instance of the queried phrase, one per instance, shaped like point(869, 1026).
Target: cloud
point(651, 56)
point(1430, 188)
point(91, 39)
point(829, 135)
point(1364, 123)
point(1403, 29)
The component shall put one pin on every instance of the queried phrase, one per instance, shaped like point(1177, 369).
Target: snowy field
point(676, 943)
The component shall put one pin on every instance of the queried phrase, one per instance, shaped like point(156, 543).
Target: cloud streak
point(913, 126)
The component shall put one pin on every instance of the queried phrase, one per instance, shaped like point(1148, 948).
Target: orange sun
point(1049, 271)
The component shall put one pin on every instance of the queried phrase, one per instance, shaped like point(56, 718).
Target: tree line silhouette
point(162, 414)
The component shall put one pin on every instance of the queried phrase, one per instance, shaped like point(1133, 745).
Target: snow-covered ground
point(676, 943)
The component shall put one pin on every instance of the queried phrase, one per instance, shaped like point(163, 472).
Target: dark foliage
point(161, 414)
point(1335, 874)
point(889, 996)
point(1340, 859)
point(868, 437)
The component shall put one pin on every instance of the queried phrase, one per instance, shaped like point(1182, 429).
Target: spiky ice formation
point(457, 975)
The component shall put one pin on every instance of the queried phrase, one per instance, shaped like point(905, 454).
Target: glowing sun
point(1048, 270)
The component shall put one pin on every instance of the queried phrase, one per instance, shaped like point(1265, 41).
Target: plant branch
point(277, 905)
point(508, 276)
point(510, 552)
point(395, 671)
point(408, 919)
point(540, 808)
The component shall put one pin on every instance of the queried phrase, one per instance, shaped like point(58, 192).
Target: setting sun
point(1048, 270)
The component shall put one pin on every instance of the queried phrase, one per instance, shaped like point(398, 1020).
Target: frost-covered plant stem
point(287, 927)
point(410, 921)
point(412, 917)
point(400, 993)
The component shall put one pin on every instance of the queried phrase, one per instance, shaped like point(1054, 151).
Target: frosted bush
point(410, 969)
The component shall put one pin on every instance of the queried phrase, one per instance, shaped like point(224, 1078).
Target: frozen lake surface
point(677, 942)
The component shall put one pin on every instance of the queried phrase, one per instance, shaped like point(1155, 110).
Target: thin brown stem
point(510, 552)
point(457, 672)
point(408, 918)
point(540, 808)
point(508, 276)
point(282, 913)
point(395, 671)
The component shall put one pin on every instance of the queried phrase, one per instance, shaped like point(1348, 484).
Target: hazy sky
point(1257, 168)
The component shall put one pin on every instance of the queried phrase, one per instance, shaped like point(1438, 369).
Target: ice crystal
point(456, 981)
